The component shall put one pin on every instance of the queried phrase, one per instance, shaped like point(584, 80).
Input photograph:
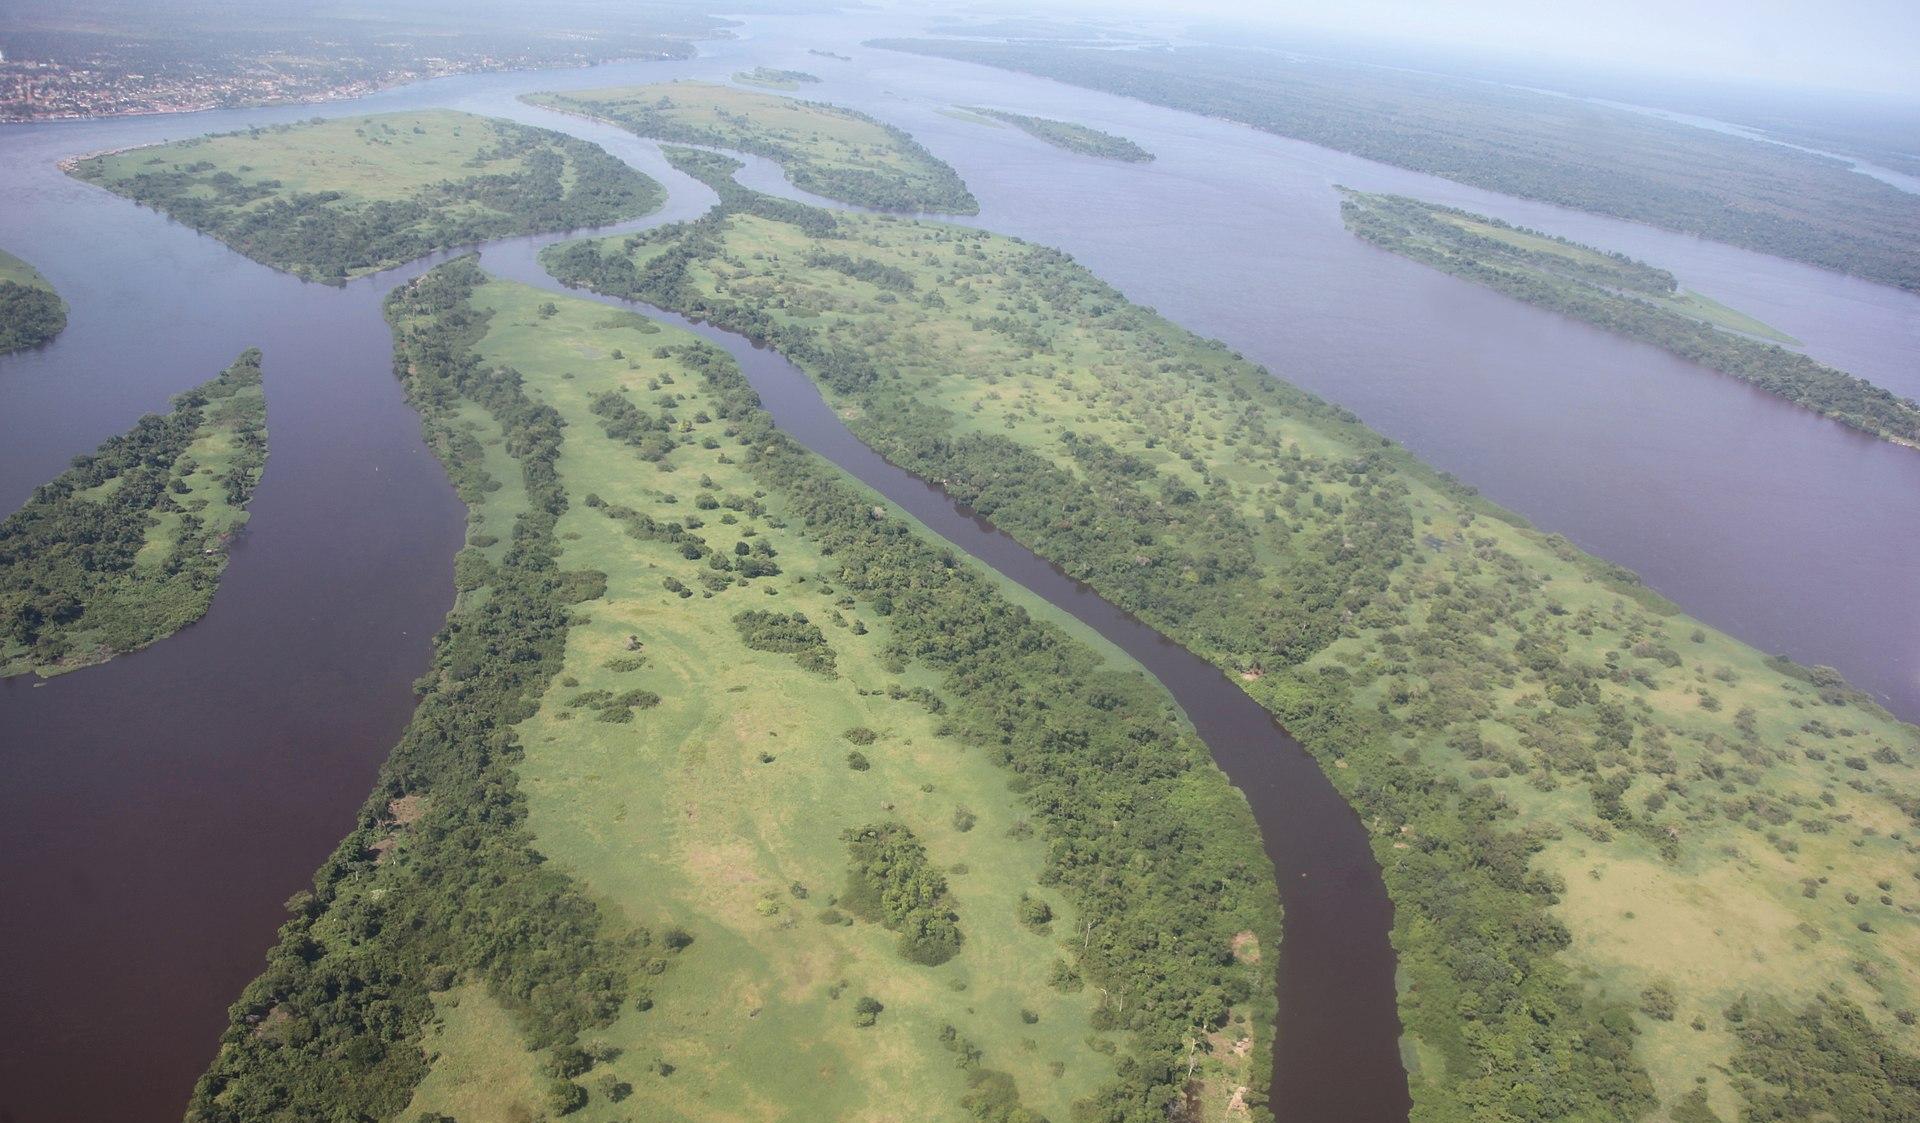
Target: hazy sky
point(1847, 44)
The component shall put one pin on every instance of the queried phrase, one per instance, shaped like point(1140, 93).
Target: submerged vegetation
point(838, 153)
point(1026, 900)
point(31, 313)
point(1535, 145)
point(1083, 139)
point(1625, 296)
point(331, 199)
point(126, 547)
point(1615, 838)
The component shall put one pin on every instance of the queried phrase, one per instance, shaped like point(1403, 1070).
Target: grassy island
point(838, 153)
point(1628, 297)
point(1638, 866)
point(126, 547)
point(733, 794)
point(1085, 140)
point(332, 199)
point(774, 79)
point(31, 313)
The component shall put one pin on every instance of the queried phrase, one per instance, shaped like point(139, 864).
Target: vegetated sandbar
point(1084, 139)
point(834, 152)
point(730, 787)
point(775, 79)
point(126, 547)
point(332, 199)
point(1656, 864)
point(1749, 193)
point(31, 312)
point(1625, 296)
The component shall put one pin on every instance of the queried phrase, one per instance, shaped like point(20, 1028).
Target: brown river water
point(156, 810)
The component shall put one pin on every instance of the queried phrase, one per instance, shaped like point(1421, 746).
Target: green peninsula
point(1638, 866)
point(328, 200)
point(1084, 139)
point(732, 794)
point(31, 313)
point(126, 547)
point(1628, 297)
point(837, 153)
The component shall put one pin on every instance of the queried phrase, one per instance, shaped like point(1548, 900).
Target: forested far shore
point(1620, 295)
point(327, 200)
point(31, 312)
point(1747, 193)
point(1550, 757)
point(126, 547)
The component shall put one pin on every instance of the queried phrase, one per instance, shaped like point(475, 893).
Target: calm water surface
point(157, 809)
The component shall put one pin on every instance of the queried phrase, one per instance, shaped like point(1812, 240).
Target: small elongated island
point(126, 547)
point(331, 200)
point(1084, 139)
point(31, 313)
point(1628, 297)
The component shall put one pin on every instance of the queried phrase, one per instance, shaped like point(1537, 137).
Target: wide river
point(156, 810)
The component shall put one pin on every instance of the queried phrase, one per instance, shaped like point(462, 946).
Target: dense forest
point(1747, 193)
point(1551, 758)
point(1624, 296)
point(440, 890)
point(834, 152)
point(31, 313)
point(1083, 139)
point(126, 547)
point(347, 217)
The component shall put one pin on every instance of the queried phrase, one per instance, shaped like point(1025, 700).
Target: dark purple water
point(156, 810)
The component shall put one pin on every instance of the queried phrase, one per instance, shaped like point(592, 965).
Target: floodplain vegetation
point(31, 312)
point(328, 200)
point(1625, 296)
point(1640, 869)
point(1536, 145)
point(776, 79)
point(833, 152)
point(1084, 139)
point(732, 794)
point(126, 547)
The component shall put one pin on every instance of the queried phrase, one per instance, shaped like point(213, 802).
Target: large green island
point(31, 312)
point(328, 200)
point(837, 153)
point(126, 547)
point(733, 794)
point(1628, 297)
point(1639, 868)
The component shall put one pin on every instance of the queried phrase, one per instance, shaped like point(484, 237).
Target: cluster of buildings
point(38, 90)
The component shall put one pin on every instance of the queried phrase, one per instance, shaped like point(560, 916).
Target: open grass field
point(718, 807)
point(1605, 825)
point(331, 199)
point(127, 547)
point(31, 313)
point(838, 153)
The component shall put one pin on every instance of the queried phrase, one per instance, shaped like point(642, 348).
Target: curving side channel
point(1337, 1050)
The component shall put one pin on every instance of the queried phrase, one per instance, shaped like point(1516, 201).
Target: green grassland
point(31, 312)
point(1641, 870)
point(127, 547)
point(774, 79)
point(333, 199)
point(834, 152)
point(1084, 139)
point(688, 789)
point(1625, 296)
